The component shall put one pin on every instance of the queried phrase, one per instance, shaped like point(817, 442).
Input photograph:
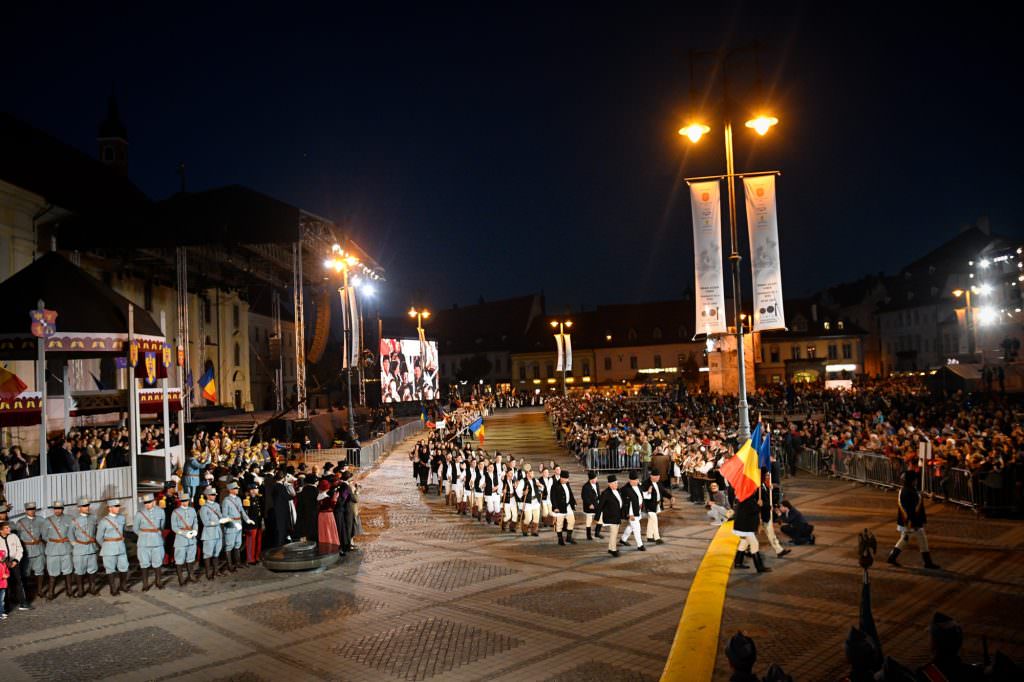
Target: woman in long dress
point(326, 500)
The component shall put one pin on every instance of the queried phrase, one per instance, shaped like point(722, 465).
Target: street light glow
point(987, 315)
point(984, 263)
point(985, 289)
point(761, 124)
point(694, 131)
point(958, 292)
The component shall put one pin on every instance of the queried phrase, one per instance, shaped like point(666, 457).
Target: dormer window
point(631, 335)
point(839, 324)
point(656, 333)
point(828, 325)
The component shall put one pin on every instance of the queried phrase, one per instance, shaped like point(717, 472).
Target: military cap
point(84, 502)
point(209, 491)
point(30, 505)
point(564, 474)
point(612, 478)
point(56, 504)
point(252, 486)
point(113, 503)
point(232, 486)
point(4, 508)
point(186, 500)
point(148, 497)
point(170, 484)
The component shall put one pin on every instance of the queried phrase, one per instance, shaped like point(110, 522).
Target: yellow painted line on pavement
point(695, 646)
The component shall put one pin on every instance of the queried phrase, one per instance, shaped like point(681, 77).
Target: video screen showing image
point(408, 370)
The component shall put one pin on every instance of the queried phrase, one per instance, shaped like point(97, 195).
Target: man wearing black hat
point(609, 510)
point(632, 506)
point(946, 638)
point(590, 494)
point(910, 520)
point(563, 506)
point(742, 655)
point(654, 502)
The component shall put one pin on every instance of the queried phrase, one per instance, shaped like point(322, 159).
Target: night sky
point(482, 152)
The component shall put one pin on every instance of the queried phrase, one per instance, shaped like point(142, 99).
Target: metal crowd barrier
point(369, 454)
point(609, 460)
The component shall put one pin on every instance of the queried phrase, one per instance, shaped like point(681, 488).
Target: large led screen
point(408, 370)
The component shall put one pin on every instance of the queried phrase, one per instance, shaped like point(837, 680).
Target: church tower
point(113, 139)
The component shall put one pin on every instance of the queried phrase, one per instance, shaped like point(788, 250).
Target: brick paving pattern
point(434, 596)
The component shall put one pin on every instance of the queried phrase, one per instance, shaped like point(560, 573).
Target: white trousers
point(511, 512)
point(653, 532)
point(917, 534)
point(565, 521)
point(748, 541)
point(633, 528)
point(493, 506)
point(773, 540)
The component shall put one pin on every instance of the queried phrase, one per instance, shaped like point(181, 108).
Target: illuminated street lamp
point(969, 314)
point(563, 347)
point(420, 315)
point(342, 262)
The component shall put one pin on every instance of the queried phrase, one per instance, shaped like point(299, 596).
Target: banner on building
point(558, 344)
point(567, 340)
point(763, 229)
point(706, 205)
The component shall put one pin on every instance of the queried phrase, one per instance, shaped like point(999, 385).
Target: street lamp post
point(563, 360)
point(421, 314)
point(694, 131)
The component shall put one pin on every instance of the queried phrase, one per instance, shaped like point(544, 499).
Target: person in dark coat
point(306, 510)
point(590, 494)
point(910, 520)
point(344, 498)
point(281, 515)
point(609, 510)
point(795, 525)
point(745, 523)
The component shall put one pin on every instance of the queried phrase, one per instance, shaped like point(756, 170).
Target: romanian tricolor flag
point(10, 385)
point(742, 470)
point(208, 386)
point(477, 428)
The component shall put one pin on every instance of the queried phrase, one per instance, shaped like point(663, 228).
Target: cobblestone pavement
point(432, 596)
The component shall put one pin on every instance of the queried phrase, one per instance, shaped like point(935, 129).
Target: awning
point(22, 410)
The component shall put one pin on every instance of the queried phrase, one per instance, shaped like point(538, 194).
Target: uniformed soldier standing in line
point(84, 548)
point(233, 509)
point(563, 505)
point(110, 538)
point(149, 526)
point(58, 549)
point(31, 530)
point(609, 510)
point(184, 524)
point(190, 482)
point(213, 538)
point(590, 494)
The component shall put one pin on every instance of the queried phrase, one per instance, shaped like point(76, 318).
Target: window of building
point(586, 369)
point(633, 362)
point(656, 333)
point(833, 352)
point(522, 371)
point(827, 325)
point(207, 313)
point(607, 363)
point(839, 324)
point(847, 351)
point(811, 352)
point(657, 362)
point(238, 355)
point(551, 370)
point(631, 335)
point(236, 316)
point(536, 371)
point(147, 294)
point(794, 352)
point(774, 352)
point(680, 361)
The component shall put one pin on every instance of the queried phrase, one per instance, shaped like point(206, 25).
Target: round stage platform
point(301, 556)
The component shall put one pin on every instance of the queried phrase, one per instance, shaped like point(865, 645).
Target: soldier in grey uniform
point(83, 549)
point(110, 537)
point(213, 539)
point(30, 531)
point(58, 549)
point(185, 525)
point(232, 508)
point(149, 526)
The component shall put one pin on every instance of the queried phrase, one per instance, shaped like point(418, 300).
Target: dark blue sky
point(482, 152)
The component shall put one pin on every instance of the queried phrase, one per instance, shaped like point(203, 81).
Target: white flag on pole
point(558, 343)
point(763, 228)
point(567, 340)
point(353, 324)
point(706, 207)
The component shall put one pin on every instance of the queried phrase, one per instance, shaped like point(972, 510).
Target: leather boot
point(597, 532)
point(738, 562)
point(94, 585)
point(893, 556)
point(157, 582)
point(209, 568)
point(125, 587)
point(194, 571)
point(114, 579)
point(145, 580)
point(503, 525)
point(181, 576)
point(526, 528)
point(759, 564)
point(51, 592)
point(589, 536)
point(40, 586)
point(928, 563)
point(568, 537)
point(533, 529)
point(79, 586)
point(561, 540)
point(238, 559)
point(222, 566)
point(69, 588)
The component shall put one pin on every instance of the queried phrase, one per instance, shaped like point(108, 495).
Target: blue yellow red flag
point(742, 472)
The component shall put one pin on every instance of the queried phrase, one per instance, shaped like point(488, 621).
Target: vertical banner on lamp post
point(568, 352)
point(706, 206)
point(558, 344)
point(763, 229)
point(353, 325)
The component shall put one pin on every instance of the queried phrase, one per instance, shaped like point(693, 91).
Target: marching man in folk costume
point(910, 521)
point(491, 494)
point(110, 536)
point(609, 510)
point(563, 505)
point(745, 524)
point(590, 494)
point(529, 491)
point(213, 538)
point(149, 525)
point(477, 486)
point(458, 484)
point(31, 530)
point(185, 525)
point(654, 503)
point(509, 501)
point(445, 473)
point(632, 507)
point(545, 504)
point(84, 548)
point(58, 549)
point(234, 511)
